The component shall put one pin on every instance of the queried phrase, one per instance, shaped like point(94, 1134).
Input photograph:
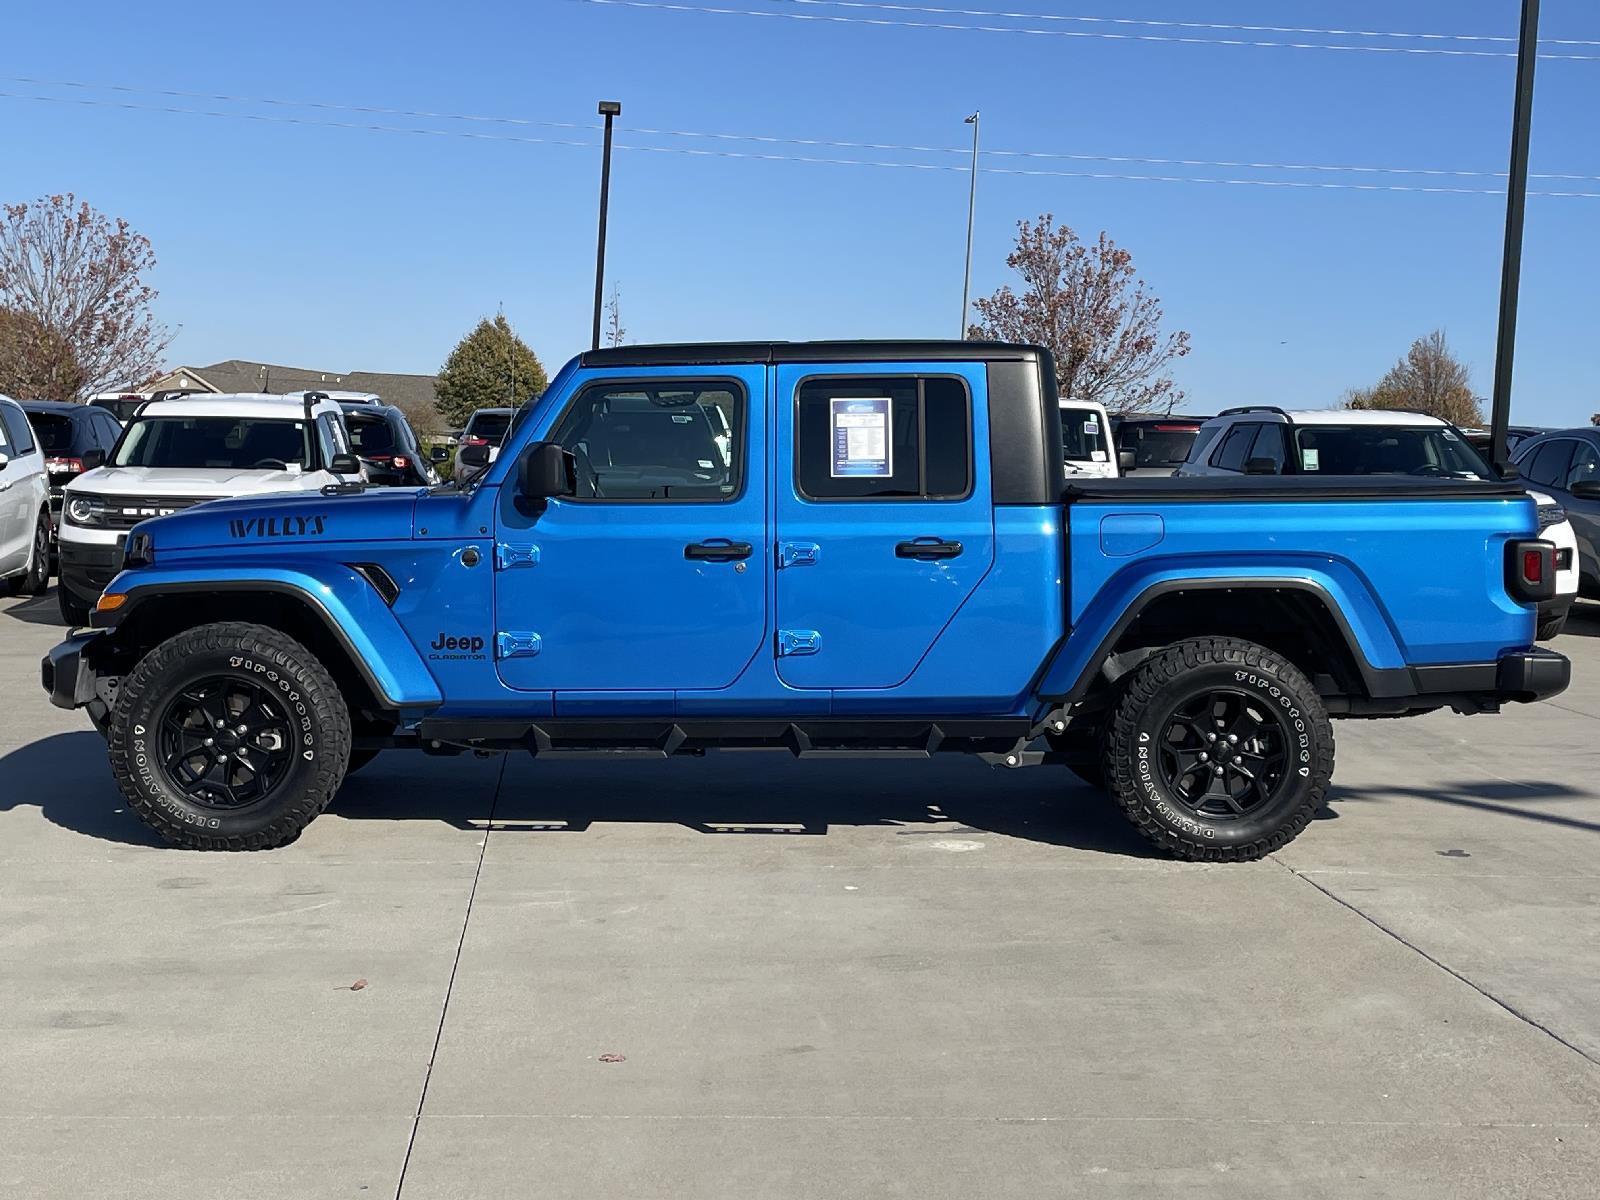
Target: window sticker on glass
point(861, 445)
point(1091, 426)
point(1308, 459)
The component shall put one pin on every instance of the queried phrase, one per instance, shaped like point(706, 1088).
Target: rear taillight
point(401, 462)
point(64, 466)
point(469, 440)
point(1530, 570)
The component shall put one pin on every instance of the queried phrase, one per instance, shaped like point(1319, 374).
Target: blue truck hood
point(287, 518)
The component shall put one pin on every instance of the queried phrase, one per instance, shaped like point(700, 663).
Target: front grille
point(126, 513)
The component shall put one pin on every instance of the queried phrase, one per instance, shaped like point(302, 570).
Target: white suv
point(24, 505)
point(1262, 440)
point(181, 452)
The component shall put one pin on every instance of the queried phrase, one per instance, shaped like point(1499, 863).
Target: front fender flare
point(350, 608)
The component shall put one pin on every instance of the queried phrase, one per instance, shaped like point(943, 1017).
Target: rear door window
point(1235, 447)
point(885, 437)
point(1269, 445)
point(18, 432)
point(1547, 464)
point(1585, 465)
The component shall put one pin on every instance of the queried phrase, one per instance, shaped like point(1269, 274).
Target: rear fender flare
point(1360, 619)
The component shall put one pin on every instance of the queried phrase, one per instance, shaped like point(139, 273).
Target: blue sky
point(353, 249)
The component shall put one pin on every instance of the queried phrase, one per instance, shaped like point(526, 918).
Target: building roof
point(414, 394)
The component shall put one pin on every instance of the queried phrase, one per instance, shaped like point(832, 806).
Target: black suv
point(67, 432)
point(387, 446)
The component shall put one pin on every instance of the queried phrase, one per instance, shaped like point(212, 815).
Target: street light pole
point(610, 110)
point(972, 207)
point(1516, 204)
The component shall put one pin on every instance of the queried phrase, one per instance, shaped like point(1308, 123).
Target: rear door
point(653, 577)
point(884, 517)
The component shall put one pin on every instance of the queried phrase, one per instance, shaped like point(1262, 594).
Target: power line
point(768, 139)
point(698, 152)
point(1150, 23)
point(900, 23)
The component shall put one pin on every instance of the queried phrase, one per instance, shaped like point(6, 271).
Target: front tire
point(229, 737)
point(1219, 750)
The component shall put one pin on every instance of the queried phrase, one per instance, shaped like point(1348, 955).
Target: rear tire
point(1219, 750)
point(37, 577)
point(229, 737)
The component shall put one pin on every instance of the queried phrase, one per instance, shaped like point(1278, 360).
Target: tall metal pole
point(972, 208)
point(610, 110)
point(1516, 204)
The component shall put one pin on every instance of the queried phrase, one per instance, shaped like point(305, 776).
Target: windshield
point(1387, 450)
point(1083, 434)
point(55, 432)
point(237, 443)
point(1157, 445)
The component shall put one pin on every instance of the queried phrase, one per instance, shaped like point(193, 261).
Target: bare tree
point(1086, 305)
point(35, 363)
point(615, 333)
point(1429, 379)
point(72, 272)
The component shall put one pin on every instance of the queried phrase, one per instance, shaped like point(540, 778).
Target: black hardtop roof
point(691, 354)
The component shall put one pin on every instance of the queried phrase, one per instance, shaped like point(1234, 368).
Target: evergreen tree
point(489, 368)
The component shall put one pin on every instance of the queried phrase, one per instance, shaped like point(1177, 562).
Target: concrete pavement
point(918, 979)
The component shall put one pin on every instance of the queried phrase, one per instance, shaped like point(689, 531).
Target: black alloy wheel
point(1223, 752)
point(225, 742)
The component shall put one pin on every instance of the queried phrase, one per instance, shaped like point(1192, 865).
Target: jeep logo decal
point(274, 527)
point(449, 646)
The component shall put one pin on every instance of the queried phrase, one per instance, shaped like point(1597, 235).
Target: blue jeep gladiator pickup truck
point(824, 548)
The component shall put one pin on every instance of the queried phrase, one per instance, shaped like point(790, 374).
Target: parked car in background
point(1086, 440)
point(1149, 445)
point(24, 505)
point(179, 453)
point(1515, 436)
point(1266, 440)
point(68, 432)
point(387, 445)
point(485, 428)
point(1567, 465)
point(121, 405)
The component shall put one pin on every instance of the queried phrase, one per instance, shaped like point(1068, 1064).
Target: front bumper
point(65, 672)
point(87, 568)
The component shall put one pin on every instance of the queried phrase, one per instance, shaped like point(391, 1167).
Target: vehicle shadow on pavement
point(1496, 796)
point(66, 778)
point(39, 610)
point(1584, 621)
point(775, 796)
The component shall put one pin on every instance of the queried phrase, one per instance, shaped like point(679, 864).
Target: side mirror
point(5, 460)
point(92, 459)
point(1260, 466)
point(1586, 489)
point(1508, 471)
point(546, 470)
point(438, 454)
point(345, 464)
point(1126, 460)
point(473, 456)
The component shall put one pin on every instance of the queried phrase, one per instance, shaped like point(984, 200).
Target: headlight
point(86, 510)
point(1551, 514)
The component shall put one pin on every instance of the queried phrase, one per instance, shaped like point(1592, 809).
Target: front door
point(884, 519)
point(653, 577)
